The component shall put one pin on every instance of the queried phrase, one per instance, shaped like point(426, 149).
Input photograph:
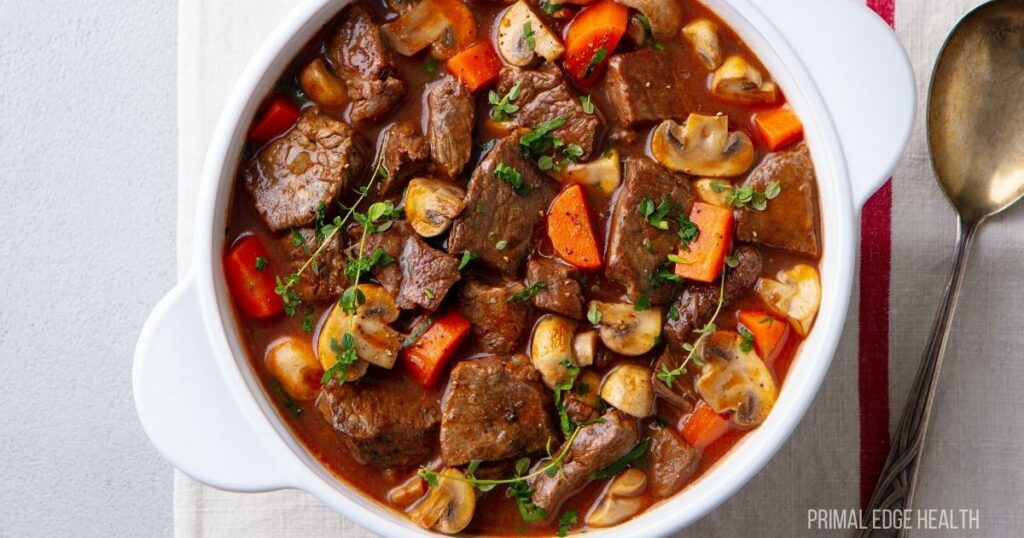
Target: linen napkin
point(973, 459)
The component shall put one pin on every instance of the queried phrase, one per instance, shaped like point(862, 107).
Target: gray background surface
point(87, 182)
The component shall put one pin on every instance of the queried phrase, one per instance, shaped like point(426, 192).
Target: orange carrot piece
point(703, 426)
point(427, 357)
point(769, 332)
point(251, 280)
point(779, 127)
point(571, 231)
point(591, 38)
point(279, 116)
point(477, 67)
point(703, 259)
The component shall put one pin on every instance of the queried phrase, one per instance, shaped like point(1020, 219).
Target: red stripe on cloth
point(873, 352)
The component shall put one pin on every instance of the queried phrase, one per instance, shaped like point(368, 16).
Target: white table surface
point(87, 182)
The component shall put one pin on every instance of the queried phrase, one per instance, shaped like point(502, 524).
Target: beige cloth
point(974, 458)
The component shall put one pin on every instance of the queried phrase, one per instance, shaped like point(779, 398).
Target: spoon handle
point(895, 489)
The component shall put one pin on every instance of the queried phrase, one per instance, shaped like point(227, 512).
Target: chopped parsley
point(643, 302)
point(531, 37)
point(598, 57)
point(261, 263)
point(639, 451)
point(540, 141)
point(656, 215)
point(750, 199)
point(528, 293)
point(688, 231)
point(467, 257)
point(430, 66)
point(501, 106)
point(513, 177)
point(501, 245)
point(587, 103)
point(568, 519)
point(746, 340)
point(594, 315)
point(428, 293)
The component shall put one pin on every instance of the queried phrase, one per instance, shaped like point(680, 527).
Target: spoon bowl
point(976, 113)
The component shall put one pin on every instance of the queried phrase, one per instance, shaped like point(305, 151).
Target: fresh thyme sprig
point(667, 376)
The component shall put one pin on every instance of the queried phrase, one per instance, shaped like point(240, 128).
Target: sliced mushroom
point(629, 389)
point(713, 191)
point(522, 36)
point(795, 294)
point(430, 205)
point(290, 360)
point(587, 385)
point(551, 346)
point(447, 26)
point(407, 492)
point(703, 36)
point(447, 508)
point(665, 16)
point(603, 173)
point(703, 147)
point(734, 380)
point(622, 500)
point(584, 348)
point(736, 81)
point(626, 330)
point(375, 341)
point(323, 86)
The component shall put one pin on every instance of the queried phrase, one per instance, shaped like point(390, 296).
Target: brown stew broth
point(499, 515)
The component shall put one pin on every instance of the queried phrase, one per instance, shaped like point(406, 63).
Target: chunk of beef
point(310, 165)
point(790, 221)
point(427, 274)
point(329, 280)
point(497, 224)
point(636, 248)
point(450, 126)
point(561, 293)
point(494, 409)
point(671, 461)
point(647, 86)
point(383, 424)
point(359, 55)
point(498, 325)
point(596, 446)
point(577, 409)
point(418, 275)
point(404, 154)
point(544, 96)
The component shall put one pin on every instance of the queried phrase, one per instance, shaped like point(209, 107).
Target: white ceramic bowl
point(841, 68)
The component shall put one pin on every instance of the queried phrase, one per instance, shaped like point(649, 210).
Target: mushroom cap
point(703, 36)
point(447, 508)
point(666, 16)
point(734, 380)
point(375, 341)
point(446, 26)
point(550, 346)
point(603, 173)
point(626, 330)
point(795, 294)
point(290, 360)
point(629, 389)
point(703, 147)
point(432, 204)
point(737, 81)
point(512, 42)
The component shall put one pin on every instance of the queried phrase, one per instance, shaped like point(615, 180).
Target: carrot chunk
point(703, 259)
point(591, 39)
point(703, 426)
point(426, 359)
point(778, 127)
point(250, 279)
point(769, 332)
point(477, 67)
point(279, 116)
point(571, 231)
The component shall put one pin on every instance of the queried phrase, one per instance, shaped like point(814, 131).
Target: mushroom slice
point(703, 36)
point(665, 16)
point(551, 346)
point(323, 86)
point(446, 26)
point(736, 81)
point(407, 492)
point(522, 36)
point(795, 294)
point(622, 500)
point(586, 388)
point(431, 204)
point(447, 508)
point(584, 348)
point(375, 341)
point(713, 191)
point(603, 173)
point(703, 147)
point(290, 360)
point(734, 380)
point(626, 330)
point(629, 389)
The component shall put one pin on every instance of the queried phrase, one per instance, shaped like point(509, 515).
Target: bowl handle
point(185, 406)
point(864, 75)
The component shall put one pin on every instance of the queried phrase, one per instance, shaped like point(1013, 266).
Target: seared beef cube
point(498, 325)
point(450, 126)
point(418, 275)
point(404, 154)
point(596, 446)
point(383, 424)
point(790, 221)
point(699, 301)
point(544, 96)
point(635, 247)
point(695, 306)
point(577, 409)
point(358, 54)
point(324, 281)
point(427, 274)
point(561, 293)
point(494, 409)
point(497, 224)
point(670, 461)
point(310, 165)
point(646, 86)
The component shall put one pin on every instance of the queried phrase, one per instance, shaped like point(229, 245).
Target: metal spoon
point(976, 135)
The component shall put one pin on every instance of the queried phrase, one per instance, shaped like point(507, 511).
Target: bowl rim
point(717, 483)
